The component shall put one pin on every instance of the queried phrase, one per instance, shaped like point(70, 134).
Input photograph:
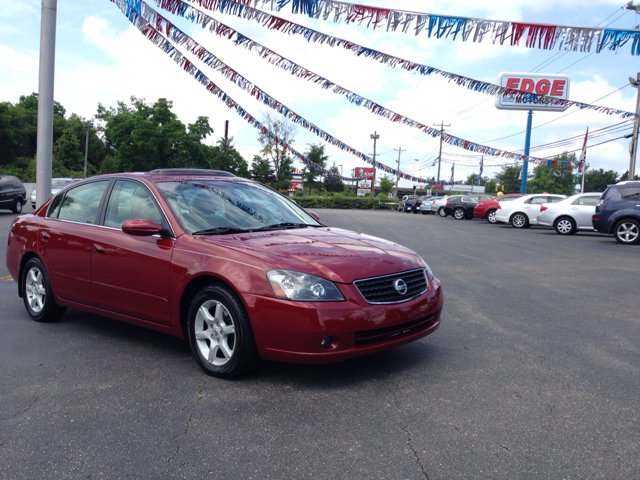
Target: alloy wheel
point(627, 232)
point(215, 332)
point(518, 220)
point(458, 214)
point(491, 216)
point(35, 290)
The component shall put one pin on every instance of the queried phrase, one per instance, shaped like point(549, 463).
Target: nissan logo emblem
point(400, 286)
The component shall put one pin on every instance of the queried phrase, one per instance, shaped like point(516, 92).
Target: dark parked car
point(13, 195)
point(486, 209)
point(462, 207)
point(417, 203)
point(618, 212)
point(231, 266)
point(406, 204)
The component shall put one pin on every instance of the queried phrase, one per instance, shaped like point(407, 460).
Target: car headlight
point(33, 196)
point(303, 287)
point(430, 274)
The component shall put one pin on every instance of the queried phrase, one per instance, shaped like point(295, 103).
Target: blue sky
point(101, 58)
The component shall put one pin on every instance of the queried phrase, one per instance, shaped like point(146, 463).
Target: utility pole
point(226, 142)
point(633, 146)
point(442, 125)
point(45, 100)
point(374, 137)
point(88, 126)
point(399, 150)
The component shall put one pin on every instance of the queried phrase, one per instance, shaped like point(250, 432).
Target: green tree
point(311, 176)
point(145, 136)
point(333, 184)
point(553, 178)
point(225, 157)
point(625, 177)
point(261, 170)
point(508, 177)
point(275, 152)
point(598, 180)
point(387, 184)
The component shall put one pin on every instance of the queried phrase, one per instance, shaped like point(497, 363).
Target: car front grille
point(385, 333)
point(383, 289)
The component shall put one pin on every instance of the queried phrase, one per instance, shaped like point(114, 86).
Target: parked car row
point(615, 212)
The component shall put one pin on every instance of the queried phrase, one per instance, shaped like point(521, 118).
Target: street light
point(633, 146)
point(88, 126)
point(374, 136)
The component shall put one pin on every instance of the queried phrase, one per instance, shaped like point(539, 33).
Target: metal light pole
point(88, 126)
point(633, 147)
point(45, 100)
point(400, 150)
point(442, 125)
point(374, 137)
point(527, 145)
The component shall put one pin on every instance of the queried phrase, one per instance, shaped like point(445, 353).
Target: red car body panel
point(143, 280)
point(481, 210)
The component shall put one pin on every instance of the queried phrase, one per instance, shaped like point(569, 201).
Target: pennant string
point(136, 17)
point(284, 26)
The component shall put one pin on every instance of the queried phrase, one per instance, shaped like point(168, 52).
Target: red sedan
point(487, 208)
point(231, 266)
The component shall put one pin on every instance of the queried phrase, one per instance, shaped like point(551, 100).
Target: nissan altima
point(231, 266)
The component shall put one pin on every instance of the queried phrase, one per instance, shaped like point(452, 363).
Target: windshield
point(59, 184)
point(209, 207)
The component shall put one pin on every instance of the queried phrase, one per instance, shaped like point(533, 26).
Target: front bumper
point(293, 331)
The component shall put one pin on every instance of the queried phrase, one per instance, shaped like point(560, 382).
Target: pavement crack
point(415, 452)
point(176, 439)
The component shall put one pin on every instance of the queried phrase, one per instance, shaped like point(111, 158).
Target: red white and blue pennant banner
point(532, 35)
point(183, 9)
point(133, 9)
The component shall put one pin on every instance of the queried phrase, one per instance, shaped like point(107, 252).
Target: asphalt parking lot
point(534, 373)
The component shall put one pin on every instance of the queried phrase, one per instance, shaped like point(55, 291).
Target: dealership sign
point(555, 86)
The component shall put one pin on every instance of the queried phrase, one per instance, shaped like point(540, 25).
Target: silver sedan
point(571, 214)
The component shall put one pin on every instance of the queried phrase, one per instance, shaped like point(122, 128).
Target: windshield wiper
point(278, 226)
point(220, 230)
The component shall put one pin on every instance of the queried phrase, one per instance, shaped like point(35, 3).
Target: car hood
point(339, 255)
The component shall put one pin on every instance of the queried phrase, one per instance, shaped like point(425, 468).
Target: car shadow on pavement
point(130, 340)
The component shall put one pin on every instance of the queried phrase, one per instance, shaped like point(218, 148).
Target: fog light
point(326, 343)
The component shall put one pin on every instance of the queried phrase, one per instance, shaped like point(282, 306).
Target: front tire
point(37, 293)
point(627, 232)
point(17, 206)
point(565, 226)
point(220, 334)
point(491, 217)
point(441, 212)
point(519, 220)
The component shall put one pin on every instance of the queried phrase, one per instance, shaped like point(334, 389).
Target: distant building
point(296, 182)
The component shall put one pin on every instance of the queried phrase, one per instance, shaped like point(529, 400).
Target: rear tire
point(220, 333)
point(627, 232)
point(565, 226)
point(519, 220)
point(17, 206)
point(441, 212)
point(37, 293)
point(491, 217)
point(458, 214)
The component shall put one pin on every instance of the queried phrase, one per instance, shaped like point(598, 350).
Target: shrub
point(345, 203)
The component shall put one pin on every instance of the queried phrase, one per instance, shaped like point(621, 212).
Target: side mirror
point(314, 215)
point(141, 227)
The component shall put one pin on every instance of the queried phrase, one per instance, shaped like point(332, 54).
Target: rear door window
point(590, 200)
point(630, 194)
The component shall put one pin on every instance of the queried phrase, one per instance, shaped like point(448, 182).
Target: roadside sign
point(556, 86)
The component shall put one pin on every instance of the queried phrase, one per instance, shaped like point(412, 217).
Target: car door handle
point(45, 235)
point(98, 249)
